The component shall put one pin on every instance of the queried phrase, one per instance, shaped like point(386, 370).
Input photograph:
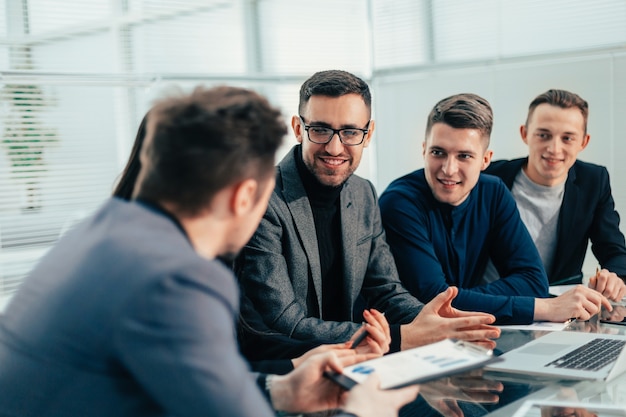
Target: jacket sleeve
point(263, 346)
point(267, 282)
point(607, 241)
point(177, 339)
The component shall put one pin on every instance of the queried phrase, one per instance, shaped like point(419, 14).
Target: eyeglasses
point(322, 135)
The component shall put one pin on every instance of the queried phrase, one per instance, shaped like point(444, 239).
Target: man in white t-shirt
point(565, 202)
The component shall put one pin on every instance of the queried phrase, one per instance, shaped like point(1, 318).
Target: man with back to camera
point(321, 244)
point(445, 221)
point(131, 314)
point(292, 352)
point(564, 202)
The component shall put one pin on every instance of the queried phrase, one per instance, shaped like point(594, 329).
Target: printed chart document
point(416, 365)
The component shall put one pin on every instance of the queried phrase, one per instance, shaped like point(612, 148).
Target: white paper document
point(416, 365)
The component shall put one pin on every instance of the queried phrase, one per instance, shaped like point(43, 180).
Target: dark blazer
point(587, 213)
point(267, 350)
point(123, 318)
point(279, 269)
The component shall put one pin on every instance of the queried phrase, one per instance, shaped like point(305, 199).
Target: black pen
point(360, 337)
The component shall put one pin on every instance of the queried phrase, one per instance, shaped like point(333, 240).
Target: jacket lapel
point(298, 203)
point(572, 197)
point(349, 235)
point(510, 171)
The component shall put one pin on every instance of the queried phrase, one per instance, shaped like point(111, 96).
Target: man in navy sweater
point(444, 223)
point(565, 202)
point(320, 248)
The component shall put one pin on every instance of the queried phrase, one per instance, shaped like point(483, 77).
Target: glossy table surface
point(482, 393)
point(500, 394)
point(596, 392)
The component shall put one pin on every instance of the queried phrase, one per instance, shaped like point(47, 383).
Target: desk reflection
point(462, 395)
point(477, 394)
point(566, 412)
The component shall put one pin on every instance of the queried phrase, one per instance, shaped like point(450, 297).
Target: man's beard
point(320, 172)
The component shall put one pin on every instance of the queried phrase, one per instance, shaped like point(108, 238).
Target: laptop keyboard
point(591, 356)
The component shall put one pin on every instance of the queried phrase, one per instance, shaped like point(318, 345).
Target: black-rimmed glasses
point(322, 135)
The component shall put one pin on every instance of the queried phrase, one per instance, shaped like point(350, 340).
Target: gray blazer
point(123, 318)
point(280, 265)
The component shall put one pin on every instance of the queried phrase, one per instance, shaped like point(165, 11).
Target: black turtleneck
point(324, 202)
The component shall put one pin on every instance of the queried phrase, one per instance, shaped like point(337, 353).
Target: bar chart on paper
point(420, 364)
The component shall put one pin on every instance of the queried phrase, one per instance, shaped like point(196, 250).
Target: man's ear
point(370, 132)
point(523, 133)
point(298, 127)
point(244, 196)
point(486, 159)
point(585, 142)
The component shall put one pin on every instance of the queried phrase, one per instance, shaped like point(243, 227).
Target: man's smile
point(553, 161)
point(333, 161)
point(448, 183)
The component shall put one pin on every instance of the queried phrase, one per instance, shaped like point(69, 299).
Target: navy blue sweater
point(437, 245)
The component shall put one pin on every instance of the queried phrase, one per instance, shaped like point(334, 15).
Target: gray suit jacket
point(123, 318)
point(280, 265)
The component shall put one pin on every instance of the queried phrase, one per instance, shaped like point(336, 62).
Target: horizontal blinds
point(299, 37)
point(57, 165)
point(401, 31)
point(77, 78)
point(509, 28)
point(418, 33)
point(49, 20)
point(190, 37)
point(196, 37)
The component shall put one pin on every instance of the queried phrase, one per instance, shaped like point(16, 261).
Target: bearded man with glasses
point(320, 250)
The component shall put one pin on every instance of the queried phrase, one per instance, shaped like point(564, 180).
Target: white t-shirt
point(539, 207)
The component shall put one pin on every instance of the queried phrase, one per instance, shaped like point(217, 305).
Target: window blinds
point(412, 34)
point(75, 79)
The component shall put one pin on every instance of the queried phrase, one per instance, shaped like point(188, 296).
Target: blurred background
point(77, 76)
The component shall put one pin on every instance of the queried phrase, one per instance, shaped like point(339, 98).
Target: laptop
point(567, 355)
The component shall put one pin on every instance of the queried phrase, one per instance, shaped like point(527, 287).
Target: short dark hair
point(198, 144)
point(334, 83)
point(463, 111)
point(563, 99)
